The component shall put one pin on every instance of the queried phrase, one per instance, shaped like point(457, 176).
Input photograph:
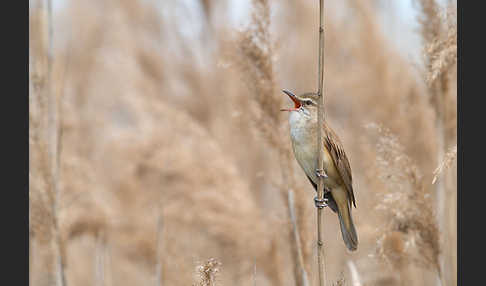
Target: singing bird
point(337, 176)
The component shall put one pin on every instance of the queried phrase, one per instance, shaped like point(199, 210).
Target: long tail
point(346, 220)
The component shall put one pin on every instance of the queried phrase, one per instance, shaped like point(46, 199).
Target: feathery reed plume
point(439, 33)
point(255, 61)
point(208, 272)
point(430, 20)
point(446, 163)
point(411, 235)
point(255, 51)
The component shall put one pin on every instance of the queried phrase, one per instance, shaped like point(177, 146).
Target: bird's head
point(305, 104)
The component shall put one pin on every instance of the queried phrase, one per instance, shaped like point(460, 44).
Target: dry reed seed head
point(341, 280)
point(395, 167)
point(441, 55)
point(430, 20)
point(254, 59)
point(208, 272)
point(439, 31)
point(407, 204)
point(255, 48)
point(446, 164)
point(392, 248)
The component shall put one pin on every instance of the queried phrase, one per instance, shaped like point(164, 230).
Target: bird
point(336, 173)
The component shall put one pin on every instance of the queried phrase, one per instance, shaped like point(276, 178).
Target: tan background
point(156, 142)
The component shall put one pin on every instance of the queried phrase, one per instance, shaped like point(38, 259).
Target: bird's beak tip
point(287, 92)
point(293, 98)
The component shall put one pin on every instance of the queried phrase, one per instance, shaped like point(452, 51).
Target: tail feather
point(347, 227)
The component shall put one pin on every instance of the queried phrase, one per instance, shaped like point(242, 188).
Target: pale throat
point(303, 127)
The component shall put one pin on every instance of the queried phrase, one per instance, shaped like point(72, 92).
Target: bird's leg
point(321, 173)
point(321, 203)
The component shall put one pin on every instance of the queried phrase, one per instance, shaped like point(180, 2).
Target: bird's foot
point(321, 173)
point(320, 203)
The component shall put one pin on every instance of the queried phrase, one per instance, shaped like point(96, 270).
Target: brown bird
point(337, 176)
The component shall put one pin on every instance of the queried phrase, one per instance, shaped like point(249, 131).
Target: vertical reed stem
point(158, 252)
point(53, 141)
point(320, 122)
point(300, 273)
point(100, 251)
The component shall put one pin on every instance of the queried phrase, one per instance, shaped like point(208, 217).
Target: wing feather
point(335, 147)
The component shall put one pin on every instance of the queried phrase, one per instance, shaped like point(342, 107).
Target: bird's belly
point(306, 155)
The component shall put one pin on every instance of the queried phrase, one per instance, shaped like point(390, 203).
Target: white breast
point(303, 144)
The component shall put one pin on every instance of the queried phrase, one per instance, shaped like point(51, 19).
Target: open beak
point(294, 99)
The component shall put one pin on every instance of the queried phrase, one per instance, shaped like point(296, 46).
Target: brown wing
point(333, 144)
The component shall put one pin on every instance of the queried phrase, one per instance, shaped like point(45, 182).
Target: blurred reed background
point(158, 155)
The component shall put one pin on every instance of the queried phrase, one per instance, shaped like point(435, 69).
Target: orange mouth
point(296, 101)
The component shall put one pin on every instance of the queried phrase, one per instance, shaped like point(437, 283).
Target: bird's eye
point(308, 102)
